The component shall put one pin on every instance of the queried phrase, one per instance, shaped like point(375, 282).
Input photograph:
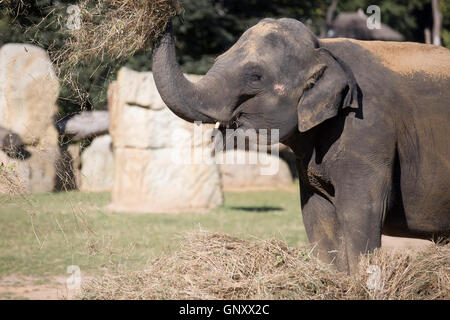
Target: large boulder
point(29, 89)
point(252, 170)
point(28, 92)
point(97, 165)
point(154, 151)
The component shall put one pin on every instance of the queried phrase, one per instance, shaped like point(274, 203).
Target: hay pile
point(217, 266)
point(116, 28)
point(110, 31)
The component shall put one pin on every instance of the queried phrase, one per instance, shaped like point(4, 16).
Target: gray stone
point(29, 89)
point(146, 181)
point(152, 149)
point(97, 165)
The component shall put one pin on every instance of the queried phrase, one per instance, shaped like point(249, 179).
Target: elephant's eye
point(253, 73)
point(255, 77)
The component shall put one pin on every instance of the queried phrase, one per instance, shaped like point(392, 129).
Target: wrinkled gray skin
point(371, 142)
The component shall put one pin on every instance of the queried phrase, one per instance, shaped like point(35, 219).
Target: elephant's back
point(403, 58)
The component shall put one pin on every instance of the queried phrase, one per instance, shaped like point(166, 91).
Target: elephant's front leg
point(322, 227)
point(361, 207)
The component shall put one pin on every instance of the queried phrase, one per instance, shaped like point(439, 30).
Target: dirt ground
point(55, 288)
point(35, 288)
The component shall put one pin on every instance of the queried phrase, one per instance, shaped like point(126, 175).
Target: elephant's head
point(276, 76)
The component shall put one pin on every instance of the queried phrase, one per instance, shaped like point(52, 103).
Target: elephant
point(368, 121)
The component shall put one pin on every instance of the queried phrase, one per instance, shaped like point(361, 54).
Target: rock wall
point(151, 148)
point(29, 89)
point(258, 171)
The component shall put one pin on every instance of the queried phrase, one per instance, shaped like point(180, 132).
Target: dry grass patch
point(10, 181)
point(217, 266)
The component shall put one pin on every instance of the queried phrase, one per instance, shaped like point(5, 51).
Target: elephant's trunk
point(190, 101)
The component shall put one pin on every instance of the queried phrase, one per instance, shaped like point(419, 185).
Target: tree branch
point(330, 13)
point(437, 22)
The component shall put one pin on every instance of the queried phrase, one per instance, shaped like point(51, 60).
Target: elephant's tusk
point(217, 125)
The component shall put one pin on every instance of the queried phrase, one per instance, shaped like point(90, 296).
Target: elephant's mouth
point(232, 124)
point(239, 120)
point(225, 133)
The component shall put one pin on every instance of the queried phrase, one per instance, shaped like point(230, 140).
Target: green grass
point(44, 234)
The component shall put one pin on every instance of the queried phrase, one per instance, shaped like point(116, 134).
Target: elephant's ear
point(330, 86)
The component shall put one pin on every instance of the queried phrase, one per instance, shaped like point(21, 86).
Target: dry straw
point(110, 30)
point(10, 182)
point(217, 266)
point(116, 28)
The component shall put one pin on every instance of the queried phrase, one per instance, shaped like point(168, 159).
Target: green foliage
point(211, 27)
point(444, 6)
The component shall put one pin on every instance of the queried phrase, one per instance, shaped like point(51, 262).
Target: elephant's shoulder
point(404, 58)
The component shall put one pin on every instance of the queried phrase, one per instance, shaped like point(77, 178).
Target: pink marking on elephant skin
point(280, 89)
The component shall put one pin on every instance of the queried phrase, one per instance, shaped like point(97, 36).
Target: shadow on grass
point(257, 209)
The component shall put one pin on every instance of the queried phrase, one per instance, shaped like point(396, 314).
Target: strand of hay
point(218, 266)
